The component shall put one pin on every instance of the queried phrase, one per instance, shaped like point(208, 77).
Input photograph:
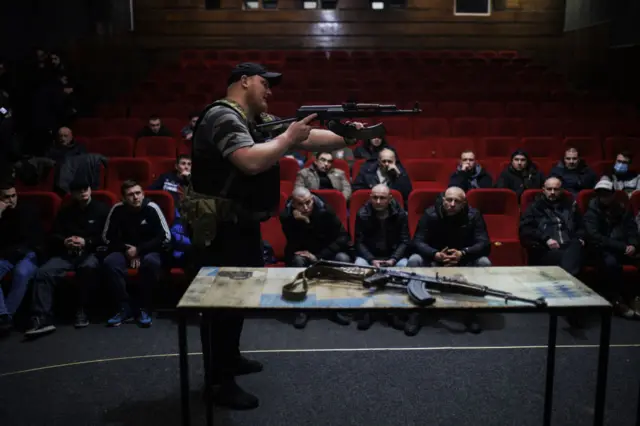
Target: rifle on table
point(330, 115)
point(417, 285)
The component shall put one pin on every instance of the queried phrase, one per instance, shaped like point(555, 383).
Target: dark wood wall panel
point(530, 25)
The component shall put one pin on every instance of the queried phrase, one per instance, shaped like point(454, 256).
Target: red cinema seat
point(430, 173)
point(419, 201)
point(358, 199)
point(549, 147)
point(44, 185)
point(586, 195)
point(487, 109)
point(164, 200)
point(89, 127)
point(615, 145)
point(554, 109)
point(338, 163)
point(107, 197)
point(431, 127)
point(121, 169)
point(635, 202)
point(271, 231)
point(286, 186)
point(602, 167)
point(473, 127)
point(497, 146)
point(174, 125)
point(356, 167)
point(454, 147)
point(46, 204)
point(452, 109)
point(337, 202)
point(589, 147)
point(499, 208)
point(288, 169)
point(506, 126)
point(160, 166)
point(520, 109)
point(156, 146)
point(553, 127)
point(125, 126)
point(397, 126)
point(111, 146)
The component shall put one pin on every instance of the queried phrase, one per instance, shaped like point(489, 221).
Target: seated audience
point(20, 237)
point(551, 230)
point(313, 231)
point(574, 172)
point(154, 128)
point(296, 155)
point(613, 241)
point(137, 236)
point(520, 175)
point(175, 181)
point(371, 148)
point(75, 237)
point(450, 233)
point(470, 174)
point(322, 175)
point(385, 170)
point(65, 147)
point(623, 178)
point(187, 131)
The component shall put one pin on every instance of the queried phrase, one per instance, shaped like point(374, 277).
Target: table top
point(261, 289)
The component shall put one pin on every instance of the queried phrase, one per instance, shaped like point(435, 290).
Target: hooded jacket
point(611, 228)
point(324, 236)
point(574, 181)
point(85, 222)
point(465, 230)
point(382, 239)
point(519, 181)
point(145, 228)
point(475, 178)
point(546, 220)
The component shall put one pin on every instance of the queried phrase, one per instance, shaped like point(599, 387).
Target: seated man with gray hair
point(450, 233)
point(313, 232)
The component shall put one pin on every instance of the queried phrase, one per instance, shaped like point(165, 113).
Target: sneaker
point(6, 323)
point(39, 327)
point(144, 320)
point(301, 320)
point(81, 319)
point(340, 318)
point(622, 309)
point(247, 366)
point(232, 396)
point(123, 316)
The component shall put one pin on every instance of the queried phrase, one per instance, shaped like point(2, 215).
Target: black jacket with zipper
point(377, 240)
point(610, 228)
point(86, 222)
point(546, 220)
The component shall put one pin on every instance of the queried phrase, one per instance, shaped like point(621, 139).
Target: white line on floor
point(276, 351)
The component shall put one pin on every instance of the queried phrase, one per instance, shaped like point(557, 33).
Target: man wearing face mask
point(551, 229)
point(613, 239)
point(520, 175)
point(574, 172)
point(388, 171)
point(622, 177)
point(470, 174)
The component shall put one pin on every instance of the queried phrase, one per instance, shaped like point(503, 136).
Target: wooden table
point(258, 291)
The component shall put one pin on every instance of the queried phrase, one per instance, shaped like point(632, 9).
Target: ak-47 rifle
point(330, 115)
point(417, 285)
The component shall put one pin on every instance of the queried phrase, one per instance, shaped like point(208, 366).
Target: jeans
point(569, 257)
point(50, 274)
point(116, 268)
point(23, 271)
point(400, 263)
point(415, 260)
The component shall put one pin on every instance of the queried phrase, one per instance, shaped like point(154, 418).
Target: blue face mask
point(621, 167)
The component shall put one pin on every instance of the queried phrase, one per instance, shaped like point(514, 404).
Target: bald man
point(451, 233)
point(381, 231)
point(65, 146)
point(387, 170)
point(551, 229)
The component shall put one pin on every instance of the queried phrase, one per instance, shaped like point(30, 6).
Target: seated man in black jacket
point(386, 170)
point(75, 237)
point(470, 174)
point(450, 233)
point(313, 232)
point(613, 241)
point(520, 175)
point(138, 237)
point(174, 182)
point(574, 173)
point(551, 229)
point(381, 236)
point(20, 233)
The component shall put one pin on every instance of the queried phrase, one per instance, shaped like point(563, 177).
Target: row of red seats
point(499, 207)
point(125, 146)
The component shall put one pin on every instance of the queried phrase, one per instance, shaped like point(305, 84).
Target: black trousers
point(234, 245)
point(569, 257)
point(49, 275)
point(609, 267)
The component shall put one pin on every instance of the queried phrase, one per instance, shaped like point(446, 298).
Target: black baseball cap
point(250, 69)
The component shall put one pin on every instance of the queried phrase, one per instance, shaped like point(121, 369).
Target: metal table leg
point(184, 368)
point(551, 365)
point(603, 364)
point(208, 369)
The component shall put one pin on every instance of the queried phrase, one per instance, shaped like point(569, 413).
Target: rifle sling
point(297, 289)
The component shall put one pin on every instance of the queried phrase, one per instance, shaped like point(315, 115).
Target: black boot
point(232, 396)
point(473, 324)
point(301, 320)
point(340, 318)
point(365, 322)
point(413, 324)
point(247, 366)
